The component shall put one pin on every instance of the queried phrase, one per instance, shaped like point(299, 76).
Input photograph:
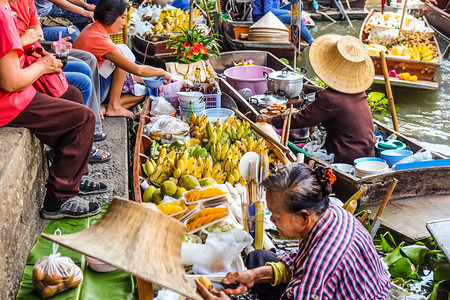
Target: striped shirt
point(336, 261)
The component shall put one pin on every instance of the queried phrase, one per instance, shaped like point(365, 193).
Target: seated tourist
point(47, 117)
point(110, 17)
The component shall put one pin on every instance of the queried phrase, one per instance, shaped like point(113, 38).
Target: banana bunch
point(170, 19)
point(421, 52)
point(197, 151)
point(249, 144)
point(231, 167)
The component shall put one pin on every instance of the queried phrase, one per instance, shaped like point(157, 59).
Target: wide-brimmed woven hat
point(342, 63)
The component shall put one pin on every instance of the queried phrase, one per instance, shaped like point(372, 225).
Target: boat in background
point(426, 71)
point(438, 16)
point(353, 8)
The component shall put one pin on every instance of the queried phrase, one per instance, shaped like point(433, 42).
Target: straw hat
point(269, 20)
point(342, 63)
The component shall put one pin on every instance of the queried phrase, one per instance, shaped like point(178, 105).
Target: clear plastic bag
point(168, 129)
point(161, 107)
point(55, 273)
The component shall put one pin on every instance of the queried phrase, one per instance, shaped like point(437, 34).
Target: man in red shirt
point(47, 117)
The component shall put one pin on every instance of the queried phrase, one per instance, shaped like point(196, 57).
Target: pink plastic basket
point(211, 100)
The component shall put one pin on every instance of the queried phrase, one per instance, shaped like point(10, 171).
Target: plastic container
point(368, 168)
point(186, 97)
point(251, 77)
point(154, 81)
point(215, 114)
point(99, 266)
point(199, 108)
point(388, 145)
point(394, 156)
point(211, 100)
point(361, 159)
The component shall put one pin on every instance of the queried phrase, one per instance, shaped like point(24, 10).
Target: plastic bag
point(166, 294)
point(221, 252)
point(161, 106)
point(168, 129)
point(55, 273)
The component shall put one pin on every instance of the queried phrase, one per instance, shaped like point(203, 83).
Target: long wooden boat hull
point(359, 14)
point(438, 18)
point(427, 72)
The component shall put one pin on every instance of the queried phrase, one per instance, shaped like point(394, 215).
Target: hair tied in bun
point(328, 176)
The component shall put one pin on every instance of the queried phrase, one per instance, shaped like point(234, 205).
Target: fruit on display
point(168, 188)
point(171, 19)
point(206, 216)
point(171, 208)
point(205, 282)
point(148, 194)
point(207, 181)
point(205, 192)
point(189, 182)
point(407, 77)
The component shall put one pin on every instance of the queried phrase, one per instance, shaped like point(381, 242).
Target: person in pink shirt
point(110, 17)
point(47, 117)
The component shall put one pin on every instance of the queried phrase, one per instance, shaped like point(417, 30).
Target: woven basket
point(117, 38)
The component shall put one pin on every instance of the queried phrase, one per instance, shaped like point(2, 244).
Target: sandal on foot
point(99, 156)
point(75, 207)
point(89, 186)
point(99, 137)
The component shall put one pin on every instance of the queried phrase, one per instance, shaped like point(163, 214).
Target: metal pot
point(266, 99)
point(285, 83)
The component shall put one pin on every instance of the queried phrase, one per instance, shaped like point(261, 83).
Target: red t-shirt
point(12, 104)
point(96, 40)
point(26, 14)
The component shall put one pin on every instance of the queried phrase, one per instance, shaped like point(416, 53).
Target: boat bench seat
point(22, 186)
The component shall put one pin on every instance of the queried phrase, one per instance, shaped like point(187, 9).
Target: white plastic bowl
point(215, 114)
point(99, 266)
point(368, 168)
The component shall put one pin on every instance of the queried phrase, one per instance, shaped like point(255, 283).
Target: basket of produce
point(205, 218)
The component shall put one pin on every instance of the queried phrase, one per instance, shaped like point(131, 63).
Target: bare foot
point(102, 112)
point(119, 112)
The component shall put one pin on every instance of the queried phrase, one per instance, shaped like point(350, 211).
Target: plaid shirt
point(336, 261)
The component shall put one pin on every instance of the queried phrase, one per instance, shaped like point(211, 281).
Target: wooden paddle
point(288, 129)
point(385, 201)
point(401, 22)
point(387, 83)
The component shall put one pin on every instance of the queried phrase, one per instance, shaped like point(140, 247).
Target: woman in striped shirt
point(336, 258)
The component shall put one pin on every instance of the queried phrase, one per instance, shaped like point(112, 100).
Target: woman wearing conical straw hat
point(343, 64)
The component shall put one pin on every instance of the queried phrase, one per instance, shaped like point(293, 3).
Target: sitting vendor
point(343, 64)
point(336, 258)
point(262, 7)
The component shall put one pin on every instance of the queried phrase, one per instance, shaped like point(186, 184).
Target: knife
point(224, 286)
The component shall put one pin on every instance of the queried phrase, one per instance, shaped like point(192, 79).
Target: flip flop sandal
point(99, 137)
point(76, 207)
point(89, 186)
point(97, 156)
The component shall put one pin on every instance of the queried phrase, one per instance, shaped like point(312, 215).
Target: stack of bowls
point(368, 168)
point(388, 145)
point(361, 159)
point(185, 99)
point(394, 156)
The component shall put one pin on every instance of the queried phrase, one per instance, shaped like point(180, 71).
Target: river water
point(422, 115)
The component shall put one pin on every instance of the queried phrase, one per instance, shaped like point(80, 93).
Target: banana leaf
point(112, 285)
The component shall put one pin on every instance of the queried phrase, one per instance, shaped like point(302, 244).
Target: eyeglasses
point(29, 50)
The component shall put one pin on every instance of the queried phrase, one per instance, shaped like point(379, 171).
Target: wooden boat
point(438, 16)
point(232, 31)
point(260, 58)
point(427, 72)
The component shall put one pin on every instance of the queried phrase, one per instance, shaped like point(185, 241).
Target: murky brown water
point(423, 115)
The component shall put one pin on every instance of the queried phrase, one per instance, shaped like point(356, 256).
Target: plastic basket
point(211, 100)
point(117, 38)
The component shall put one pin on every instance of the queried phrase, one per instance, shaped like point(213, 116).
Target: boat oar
point(387, 83)
point(208, 17)
point(401, 22)
point(385, 201)
point(342, 11)
point(447, 51)
point(288, 128)
point(316, 8)
point(191, 15)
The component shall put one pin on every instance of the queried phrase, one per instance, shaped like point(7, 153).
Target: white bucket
point(199, 108)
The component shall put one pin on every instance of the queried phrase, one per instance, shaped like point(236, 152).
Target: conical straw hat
point(138, 239)
point(269, 20)
point(342, 62)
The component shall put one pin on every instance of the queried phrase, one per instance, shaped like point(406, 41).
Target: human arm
point(73, 8)
point(248, 278)
point(116, 57)
point(13, 78)
point(83, 4)
point(210, 294)
point(281, 273)
point(30, 36)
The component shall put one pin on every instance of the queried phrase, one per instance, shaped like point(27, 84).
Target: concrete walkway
point(23, 170)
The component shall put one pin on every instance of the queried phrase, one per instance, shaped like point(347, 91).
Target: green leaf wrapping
point(113, 285)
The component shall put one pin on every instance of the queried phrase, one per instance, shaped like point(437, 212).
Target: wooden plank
point(409, 216)
point(439, 231)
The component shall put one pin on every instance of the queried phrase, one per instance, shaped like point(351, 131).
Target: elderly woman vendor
point(343, 64)
point(336, 258)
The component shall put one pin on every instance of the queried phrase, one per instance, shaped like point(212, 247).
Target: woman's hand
point(64, 41)
point(245, 279)
point(167, 76)
point(264, 118)
point(88, 14)
point(211, 294)
point(50, 64)
point(30, 36)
